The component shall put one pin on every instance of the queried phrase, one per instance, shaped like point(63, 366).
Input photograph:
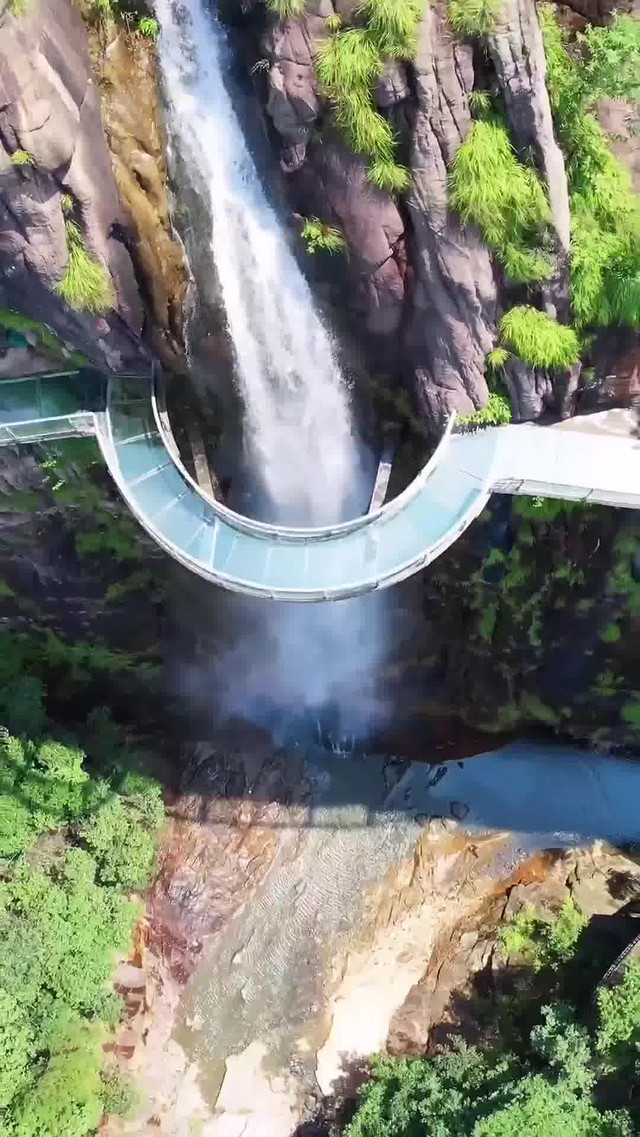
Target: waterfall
point(297, 415)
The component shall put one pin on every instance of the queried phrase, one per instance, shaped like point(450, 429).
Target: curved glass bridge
point(126, 415)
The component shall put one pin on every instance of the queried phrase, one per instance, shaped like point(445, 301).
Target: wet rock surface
point(132, 119)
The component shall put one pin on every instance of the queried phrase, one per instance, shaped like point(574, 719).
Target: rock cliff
point(429, 292)
point(54, 163)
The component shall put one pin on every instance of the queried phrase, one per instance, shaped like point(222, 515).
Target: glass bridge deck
point(331, 563)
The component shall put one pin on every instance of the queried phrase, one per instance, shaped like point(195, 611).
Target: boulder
point(293, 102)
point(333, 184)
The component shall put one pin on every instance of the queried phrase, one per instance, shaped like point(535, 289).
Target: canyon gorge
point(294, 240)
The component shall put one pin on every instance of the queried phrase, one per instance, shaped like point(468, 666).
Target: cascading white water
point(297, 415)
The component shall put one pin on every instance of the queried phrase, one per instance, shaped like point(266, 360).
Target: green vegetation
point(64, 917)
point(496, 413)
point(97, 528)
point(473, 17)
point(545, 1068)
point(348, 66)
point(605, 236)
point(86, 285)
point(506, 200)
point(497, 358)
point(18, 8)
point(41, 337)
point(22, 158)
point(392, 25)
point(286, 9)
point(480, 101)
point(538, 340)
point(149, 27)
point(544, 941)
point(320, 237)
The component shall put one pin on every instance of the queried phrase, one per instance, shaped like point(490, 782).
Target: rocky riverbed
point(315, 933)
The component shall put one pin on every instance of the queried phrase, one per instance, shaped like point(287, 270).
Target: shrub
point(123, 849)
point(538, 340)
point(496, 413)
point(149, 27)
point(119, 1094)
point(544, 941)
point(618, 1037)
point(506, 200)
point(22, 158)
point(333, 23)
point(320, 237)
point(479, 1095)
point(473, 17)
point(393, 25)
point(86, 285)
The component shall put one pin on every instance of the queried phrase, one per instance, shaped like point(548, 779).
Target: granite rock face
point(329, 181)
point(132, 120)
point(50, 108)
point(451, 322)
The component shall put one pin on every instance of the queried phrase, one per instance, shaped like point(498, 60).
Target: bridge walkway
point(329, 563)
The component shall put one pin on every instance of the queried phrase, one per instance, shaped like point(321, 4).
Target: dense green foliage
point(505, 199)
point(320, 237)
point(549, 1082)
point(64, 917)
point(348, 65)
point(541, 940)
point(22, 158)
point(537, 339)
point(618, 1038)
point(86, 285)
point(605, 234)
point(473, 17)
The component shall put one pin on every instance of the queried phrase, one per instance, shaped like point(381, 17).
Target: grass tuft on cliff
point(348, 66)
point(286, 9)
point(473, 17)
point(320, 237)
point(393, 25)
point(496, 413)
point(86, 285)
point(506, 200)
point(386, 174)
point(537, 340)
point(22, 158)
